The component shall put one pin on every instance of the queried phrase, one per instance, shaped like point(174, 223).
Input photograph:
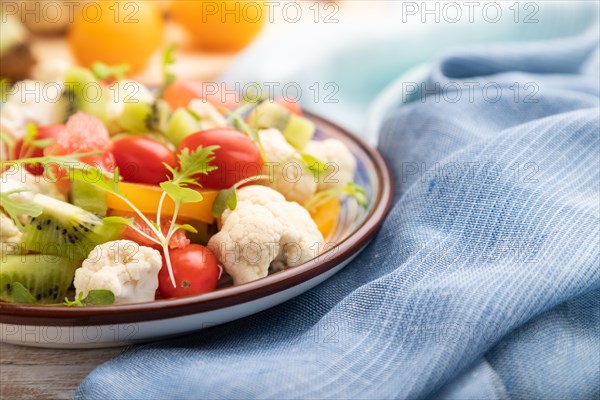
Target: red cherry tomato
point(43, 133)
point(141, 159)
point(237, 157)
point(195, 269)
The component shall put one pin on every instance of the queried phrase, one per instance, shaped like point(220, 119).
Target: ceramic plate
point(115, 325)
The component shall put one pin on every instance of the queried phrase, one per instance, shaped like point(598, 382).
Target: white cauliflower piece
point(51, 70)
point(264, 230)
point(333, 151)
point(30, 101)
point(285, 168)
point(124, 267)
point(19, 178)
point(210, 117)
point(10, 236)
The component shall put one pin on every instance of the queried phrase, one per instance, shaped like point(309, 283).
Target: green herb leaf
point(168, 77)
point(77, 302)
point(7, 139)
point(31, 131)
point(96, 297)
point(42, 143)
point(227, 198)
point(193, 163)
point(21, 294)
point(358, 193)
point(187, 227)
point(14, 208)
point(4, 89)
point(117, 220)
point(316, 166)
point(9, 142)
point(181, 194)
point(99, 297)
point(105, 72)
point(351, 189)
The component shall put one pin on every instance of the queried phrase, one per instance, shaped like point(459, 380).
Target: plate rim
point(40, 315)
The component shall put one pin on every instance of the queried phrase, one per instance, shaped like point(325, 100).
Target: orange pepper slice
point(326, 216)
point(146, 198)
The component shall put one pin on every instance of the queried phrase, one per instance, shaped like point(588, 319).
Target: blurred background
point(335, 57)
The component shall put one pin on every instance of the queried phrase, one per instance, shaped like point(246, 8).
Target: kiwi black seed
point(46, 277)
point(66, 230)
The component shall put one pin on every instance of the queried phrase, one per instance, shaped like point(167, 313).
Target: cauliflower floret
point(19, 178)
point(264, 230)
point(10, 236)
point(210, 117)
point(285, 168)
point(30, 103)
point(123, 91)
point(124, 267)
point(335, 152)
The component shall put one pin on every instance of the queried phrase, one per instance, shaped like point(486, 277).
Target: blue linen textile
point(484, 281)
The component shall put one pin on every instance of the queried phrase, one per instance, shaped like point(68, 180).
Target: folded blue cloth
point(484, 281)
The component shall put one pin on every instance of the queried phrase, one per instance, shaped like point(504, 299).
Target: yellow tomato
point(227, 25)
point(116, 32)
point(146, 198)
point(326, 216)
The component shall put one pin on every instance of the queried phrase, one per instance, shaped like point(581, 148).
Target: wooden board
point(32, 373)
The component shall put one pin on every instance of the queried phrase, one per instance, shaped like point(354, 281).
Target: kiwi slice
point(181, 125)
point(297, 130)
point(66, 230)
point(89, 197)
point(135, 117)
point(269, 115)
point(85, 93)
point(47, 277)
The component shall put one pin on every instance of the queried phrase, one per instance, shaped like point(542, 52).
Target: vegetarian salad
point(127, 194)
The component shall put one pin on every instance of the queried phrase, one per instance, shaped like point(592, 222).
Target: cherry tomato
point(236, 158)
point(43, 133)
point(141, 159)
point(195, 269)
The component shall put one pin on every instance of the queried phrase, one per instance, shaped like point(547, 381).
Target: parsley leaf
point(14, 208)
point(192, 163)
point(353, 190)
point(180, 193)
point(21, 294)
point(316, 166)
point(104, 72)
point(227, 198)
point(97, 297)
point(168, 77)
point(4, 89)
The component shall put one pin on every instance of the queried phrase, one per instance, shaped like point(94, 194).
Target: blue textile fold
point(484, 281)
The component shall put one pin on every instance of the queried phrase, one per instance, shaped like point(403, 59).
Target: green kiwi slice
point(89, 197)
point(66, 230)
point(296, 130)
point(85, 93)
point(46, 277)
